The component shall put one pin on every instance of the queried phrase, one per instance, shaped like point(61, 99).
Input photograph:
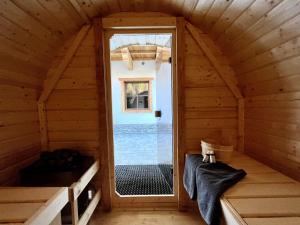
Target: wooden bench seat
point(263, 197)
point(32, 206)
point(261, 190)
point(266, 207)
point(273, 221)
point(272, 178)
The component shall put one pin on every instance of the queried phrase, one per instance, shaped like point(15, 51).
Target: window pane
point(137, 95)
point(131, 102)
point(143, 102)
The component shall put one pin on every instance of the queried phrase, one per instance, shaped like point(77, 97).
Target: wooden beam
point(103, 119)
point(241, 124)
point(51, 83)
point(227, 77)
point(51, 209)
point(43, 125)
point(180, 71)
point(78, 187)
point(90, 209)
point(127, 58)
point(74, 210)
point(158, 57)
point(144, 22)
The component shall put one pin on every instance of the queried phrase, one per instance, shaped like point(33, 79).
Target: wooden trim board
point(43, 125)
point(180, 71)
point(138, 23)
point(101, 70)
point(241, 124)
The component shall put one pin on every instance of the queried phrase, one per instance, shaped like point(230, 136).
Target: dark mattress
point(59, 168)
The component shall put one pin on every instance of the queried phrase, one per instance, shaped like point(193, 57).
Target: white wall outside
point(120, 70)
point(164, 93)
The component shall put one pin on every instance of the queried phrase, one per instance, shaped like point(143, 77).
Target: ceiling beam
point(159, 57)
point(127, 58)
point(145, 22)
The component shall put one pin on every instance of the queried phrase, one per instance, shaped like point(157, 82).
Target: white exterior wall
point(120, 70)
point(164, 93)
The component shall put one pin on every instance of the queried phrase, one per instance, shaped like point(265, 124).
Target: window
point(137, 95)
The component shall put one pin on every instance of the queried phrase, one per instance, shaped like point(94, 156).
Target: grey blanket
point(206, 183)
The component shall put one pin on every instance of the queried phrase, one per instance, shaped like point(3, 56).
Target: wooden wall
point(29, 38)
point(19, 127)
point(260, 37)
point(20, 84)
point(72, 108)
point(267, 63)
point(210, 110)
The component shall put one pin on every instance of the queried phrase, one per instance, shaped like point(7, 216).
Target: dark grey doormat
point(142, 180)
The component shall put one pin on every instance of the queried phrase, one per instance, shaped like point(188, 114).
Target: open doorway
point(142, 113)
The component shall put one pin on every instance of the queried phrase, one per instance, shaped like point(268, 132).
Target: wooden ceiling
point(142, 52)
point(31, 31)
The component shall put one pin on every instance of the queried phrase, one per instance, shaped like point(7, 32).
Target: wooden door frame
point(141, 201)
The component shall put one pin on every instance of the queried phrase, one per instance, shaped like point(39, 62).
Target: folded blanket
point(210, 181)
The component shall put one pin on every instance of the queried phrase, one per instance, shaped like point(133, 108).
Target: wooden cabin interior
point(235, 79)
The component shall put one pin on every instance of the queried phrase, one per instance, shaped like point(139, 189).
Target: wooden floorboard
point(146, 217)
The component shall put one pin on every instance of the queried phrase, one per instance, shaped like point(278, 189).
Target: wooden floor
point(146, 217)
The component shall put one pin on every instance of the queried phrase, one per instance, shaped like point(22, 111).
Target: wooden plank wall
point(72, 108)
point(21, 78)
point(260, 37)
point(266, 59)
point(29, 38)
point(19, 127)
point(210, 107)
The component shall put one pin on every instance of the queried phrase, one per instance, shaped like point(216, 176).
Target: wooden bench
point(263, 197)
point(42, 205)
point(32, 206)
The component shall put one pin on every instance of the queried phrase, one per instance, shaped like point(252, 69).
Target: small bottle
point(212, 158)
point(206, 158)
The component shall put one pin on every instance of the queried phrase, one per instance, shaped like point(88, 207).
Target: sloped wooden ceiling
point(247, 30)
point(260, 38)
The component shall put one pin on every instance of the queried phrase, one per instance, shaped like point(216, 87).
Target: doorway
point(142, 83)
